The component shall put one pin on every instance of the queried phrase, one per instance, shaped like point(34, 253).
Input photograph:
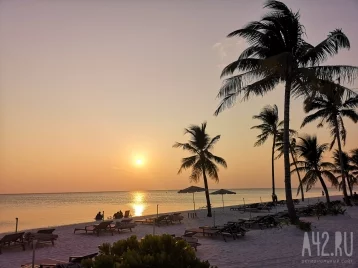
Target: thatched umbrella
point(193, 190)
point(222, 192)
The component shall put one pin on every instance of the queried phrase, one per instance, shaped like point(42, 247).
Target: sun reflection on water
point(138, 203)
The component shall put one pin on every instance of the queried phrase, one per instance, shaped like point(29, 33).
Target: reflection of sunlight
point(138, 209)
point(138, 203)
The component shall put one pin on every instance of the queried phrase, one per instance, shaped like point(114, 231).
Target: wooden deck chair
point(97, 228)
point(15, 239)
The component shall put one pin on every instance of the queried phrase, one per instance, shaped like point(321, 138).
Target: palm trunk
point(207, 193)
point(350, 185)
point(299, 177)
point(346, 199)
point(286, 153)
point(324, 187)
point(273, 165)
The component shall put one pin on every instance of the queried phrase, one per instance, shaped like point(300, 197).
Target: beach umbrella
point(222, 192)
point(193, 190)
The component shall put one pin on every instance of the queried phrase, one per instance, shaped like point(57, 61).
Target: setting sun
point(139, 162)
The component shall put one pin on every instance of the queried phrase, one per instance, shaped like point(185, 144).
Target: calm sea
point(44, 210)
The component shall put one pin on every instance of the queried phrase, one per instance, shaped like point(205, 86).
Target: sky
point(87, 88)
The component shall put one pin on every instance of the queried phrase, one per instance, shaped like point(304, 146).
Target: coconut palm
point(311, 153)
point(277, 53)
point(270, 127)
point(293, 152)
point(347, 169)
point(202, 160)
point(354, 162)
point(330, 107)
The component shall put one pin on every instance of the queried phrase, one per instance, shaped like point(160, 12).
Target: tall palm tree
point(202, 160)
point(354, 162)
point(347, 168)
point(330, 107)
point(315, 169)
point(278, 53)
point(293, 152)
point(270, 127)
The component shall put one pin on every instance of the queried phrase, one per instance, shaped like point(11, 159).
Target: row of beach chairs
point(22, 239)
point(165, 219)
point(108, 226)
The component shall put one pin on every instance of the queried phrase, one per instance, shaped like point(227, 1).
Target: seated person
point(99, 216)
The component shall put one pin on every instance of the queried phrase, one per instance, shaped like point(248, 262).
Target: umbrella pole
point(222, 198)
point(194, 202)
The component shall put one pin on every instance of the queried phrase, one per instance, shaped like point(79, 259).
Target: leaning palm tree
point(277, 53)
point(330, 107)
point(311, 153)
point(347, 168)
point(293, 152)
point(270, 126)
point(202, 160)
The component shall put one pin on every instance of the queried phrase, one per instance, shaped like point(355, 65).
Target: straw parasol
point(193, 190)
point(222, 192)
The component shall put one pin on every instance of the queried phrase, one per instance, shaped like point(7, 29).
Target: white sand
point(259, 248)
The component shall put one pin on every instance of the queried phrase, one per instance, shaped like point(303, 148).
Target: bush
point(304, 225)
point(336, 209)
point(152, 251)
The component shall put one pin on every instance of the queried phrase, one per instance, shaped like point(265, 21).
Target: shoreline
point(184, 213)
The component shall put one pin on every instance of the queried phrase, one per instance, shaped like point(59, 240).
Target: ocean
point(54, 209)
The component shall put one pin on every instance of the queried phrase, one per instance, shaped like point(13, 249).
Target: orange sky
point(86, 87)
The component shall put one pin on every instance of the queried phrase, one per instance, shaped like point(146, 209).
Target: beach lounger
point(127, 214)
point(74, 262)
point(43, 263)
point(162, 219)
point(78, 259)
point(15, 239)
point(175, 217)
point(123, 225)
point(40, 238)
point(192, 241)
point(46, 231)
point(97, 228)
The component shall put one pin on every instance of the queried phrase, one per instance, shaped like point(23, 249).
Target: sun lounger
point(74, 262)
point(123, 225)
point(97, 228)
point(175, 217)
point(78, 259)
point(46, 231)
point(162, 219)
point(192, 241)
point(15, 239)
point(127, 214)
point(40, 238)
point(43, 263)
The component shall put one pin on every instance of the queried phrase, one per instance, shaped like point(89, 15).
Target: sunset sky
point(93, 94)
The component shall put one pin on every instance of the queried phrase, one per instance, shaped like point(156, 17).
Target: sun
point(139, 162)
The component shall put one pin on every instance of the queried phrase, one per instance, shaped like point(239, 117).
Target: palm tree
point(278, 53)
point(354, 162)
point(293, 152)
point(330, 107)
point(312, 154)
point(337, 156)
point(202, 160)
point(270, 127)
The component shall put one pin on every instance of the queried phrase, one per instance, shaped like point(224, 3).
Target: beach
point(258, 248)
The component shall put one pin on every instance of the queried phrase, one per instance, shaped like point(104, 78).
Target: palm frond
point(188, 162)
point(217, 159)
point(329, 47)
